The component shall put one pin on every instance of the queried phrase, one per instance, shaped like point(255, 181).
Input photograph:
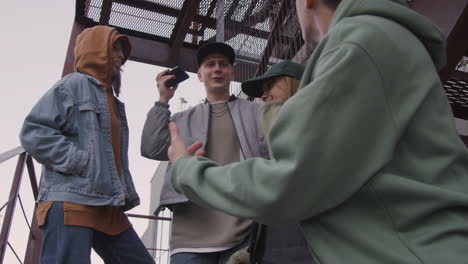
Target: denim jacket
point(69, 132)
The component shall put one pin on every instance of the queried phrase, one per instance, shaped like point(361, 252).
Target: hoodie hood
point(93, 51)
point(397, 10)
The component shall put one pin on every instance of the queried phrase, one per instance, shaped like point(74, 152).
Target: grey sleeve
point(155, 139)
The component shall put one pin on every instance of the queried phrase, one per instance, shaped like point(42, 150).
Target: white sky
point(34, 41)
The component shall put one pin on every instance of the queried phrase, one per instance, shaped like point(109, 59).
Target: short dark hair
point(332, 3)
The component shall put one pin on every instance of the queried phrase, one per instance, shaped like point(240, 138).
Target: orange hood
point(93, 52)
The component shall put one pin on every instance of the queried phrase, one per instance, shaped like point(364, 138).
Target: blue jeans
point(220, 257)
point(63, 244)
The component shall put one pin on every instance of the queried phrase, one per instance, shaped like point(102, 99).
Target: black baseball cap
point(215, 47)
point(254, 88)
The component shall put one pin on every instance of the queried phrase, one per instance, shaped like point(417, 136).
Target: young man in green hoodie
point(365, 155)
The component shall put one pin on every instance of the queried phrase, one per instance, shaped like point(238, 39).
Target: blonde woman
point(279, 83)
point(275, 244)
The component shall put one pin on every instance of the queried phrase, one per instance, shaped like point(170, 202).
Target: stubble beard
point(117, 81)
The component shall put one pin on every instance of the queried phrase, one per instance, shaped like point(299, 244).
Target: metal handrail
point(35, 235)
point(150, 217)
point(8, 219)
point(10, 154)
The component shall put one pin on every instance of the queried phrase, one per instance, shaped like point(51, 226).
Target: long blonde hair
point(289, 84)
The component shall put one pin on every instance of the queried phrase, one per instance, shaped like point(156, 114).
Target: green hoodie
point(365, 155)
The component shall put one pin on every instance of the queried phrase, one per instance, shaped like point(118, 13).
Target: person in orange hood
point(78, 131)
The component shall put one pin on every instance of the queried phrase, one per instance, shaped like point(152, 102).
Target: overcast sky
point(34, 40)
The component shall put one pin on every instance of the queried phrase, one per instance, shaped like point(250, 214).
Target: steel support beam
point(443, 13)
point(205, 20)
point(157, 53)
point(258, 17)
point(457, 45)
point(459, 75)
point(181, 27)
point(148, 51)
point(150, 6)
point(452, 17)
point(106, 9)
point(69, 65)
point(232, 29)
point(208, 14)
point(464, 139)
point(272, 39)
point(220, 21)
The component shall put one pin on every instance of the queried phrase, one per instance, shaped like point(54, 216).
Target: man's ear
point(199, 77)
point(310, 3)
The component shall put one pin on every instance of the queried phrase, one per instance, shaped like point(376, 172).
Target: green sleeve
point(329, 139)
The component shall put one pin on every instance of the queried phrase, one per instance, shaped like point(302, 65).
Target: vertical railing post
point(69, 65)
point(11, 205)
point(33, 249)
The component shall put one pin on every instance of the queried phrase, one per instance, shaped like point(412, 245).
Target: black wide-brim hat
point(215, 47)
point(254, 88)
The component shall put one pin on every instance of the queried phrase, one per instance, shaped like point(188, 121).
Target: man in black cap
point(230, 131)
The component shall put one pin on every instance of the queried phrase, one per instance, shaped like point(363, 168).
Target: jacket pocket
point(89, 117)
point(90, 165)
point(88, 106)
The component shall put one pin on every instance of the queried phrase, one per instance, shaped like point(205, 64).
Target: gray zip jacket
point(193, 126)
point(69, 132)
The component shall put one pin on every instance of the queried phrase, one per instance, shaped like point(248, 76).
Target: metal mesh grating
point(245, 43)
point(457, 92)
point(135, 19)
point(204, 6)
point(209, 33)
point(94, 10)
point(263, 32)
point(248, 23)
point(172, 3)
point(201, 32)
point(239, 13)
point(142, 20)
